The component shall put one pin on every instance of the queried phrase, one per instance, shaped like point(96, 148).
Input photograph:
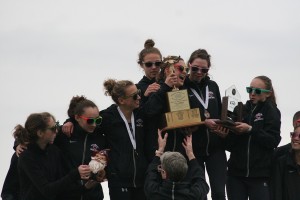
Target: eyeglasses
point(295, 135)
point(181, 68)
point(134, 95)
point(258, 91)
point(90, 120)
point(55, 127)
point(197, 69)
point(150, 64)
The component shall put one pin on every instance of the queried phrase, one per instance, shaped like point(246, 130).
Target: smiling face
point(132, 98)
point(196, 72)
point(295, 139)
point(180, 71)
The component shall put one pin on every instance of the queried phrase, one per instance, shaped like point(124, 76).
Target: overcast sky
point(53, 50)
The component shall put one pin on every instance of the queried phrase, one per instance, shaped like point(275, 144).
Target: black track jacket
point(251, 152)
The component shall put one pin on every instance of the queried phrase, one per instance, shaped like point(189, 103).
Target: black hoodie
point(193, 187)
point(126, 165)
point(251, 152)
point(77, 149)
point(285, 179)
point(204, 141)
point(42, 174)
point(143, 85)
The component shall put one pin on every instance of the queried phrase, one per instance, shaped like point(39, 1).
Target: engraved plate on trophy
point(178, 100)
point(183, 118)
point(180, 114)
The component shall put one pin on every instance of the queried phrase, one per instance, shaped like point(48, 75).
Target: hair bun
point(149, 44)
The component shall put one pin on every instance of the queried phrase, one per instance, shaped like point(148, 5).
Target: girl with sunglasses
point(172, 75)
point(84, 141)
point(42, 170)
point(123, 127)
point(285, 179)
point(282, 150)
point(252, 143)
point(150, 61)
point(208, 147)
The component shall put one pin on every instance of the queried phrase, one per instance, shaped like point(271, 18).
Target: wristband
point(250, 128)
point(159, 152)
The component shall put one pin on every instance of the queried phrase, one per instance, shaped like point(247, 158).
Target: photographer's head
point(173, 166)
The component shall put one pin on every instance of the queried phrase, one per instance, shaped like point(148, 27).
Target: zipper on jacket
point(248, 157)
point(248, 149)
point(84, 150)
point(83, 157)
point(174, 145)
point(173, 189)
point(134, 166)
point(207, 133)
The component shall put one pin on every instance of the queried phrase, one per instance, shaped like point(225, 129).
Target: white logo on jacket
point(258, 117)
point(211, 95)
point(139, 123)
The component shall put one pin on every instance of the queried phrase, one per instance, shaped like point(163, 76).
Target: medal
point(206, 114)
point(201, 100)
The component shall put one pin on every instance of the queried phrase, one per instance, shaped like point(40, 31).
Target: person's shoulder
point(109, 110)
point(212, 84)
point(282, 150)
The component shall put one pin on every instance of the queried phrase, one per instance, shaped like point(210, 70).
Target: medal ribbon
point(204, 104)
point(130, 133)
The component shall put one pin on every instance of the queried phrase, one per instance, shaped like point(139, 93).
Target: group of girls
point(128, 128)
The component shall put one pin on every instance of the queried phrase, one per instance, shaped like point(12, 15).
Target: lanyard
point(130, 133)
point(204, 104)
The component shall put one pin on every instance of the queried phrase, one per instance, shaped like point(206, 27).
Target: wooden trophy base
point(182, 119)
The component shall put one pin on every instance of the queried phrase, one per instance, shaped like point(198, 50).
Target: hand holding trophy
point(232, 108)
point(180, 114)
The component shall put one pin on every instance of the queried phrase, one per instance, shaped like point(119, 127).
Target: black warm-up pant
point(129, 193)
point(216, 166)
point(240, 188)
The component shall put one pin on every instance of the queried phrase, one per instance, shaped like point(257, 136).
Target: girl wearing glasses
point(150, 61)
point(123, 128)
point(172, 75)
point(208, 147)
point(84, 141)
point(42, 173)
point(286, 175)
point(252, 143)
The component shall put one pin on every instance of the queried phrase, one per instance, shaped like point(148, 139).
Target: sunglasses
point(181, 68)
point(134, 95)
point(91, 120)
point(54, 128)
point(150, 64)
point(197, 69)
point(251, 90)
point(295, 135)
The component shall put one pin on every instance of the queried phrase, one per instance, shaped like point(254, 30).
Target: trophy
point(232, 108)
point(180, 114)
